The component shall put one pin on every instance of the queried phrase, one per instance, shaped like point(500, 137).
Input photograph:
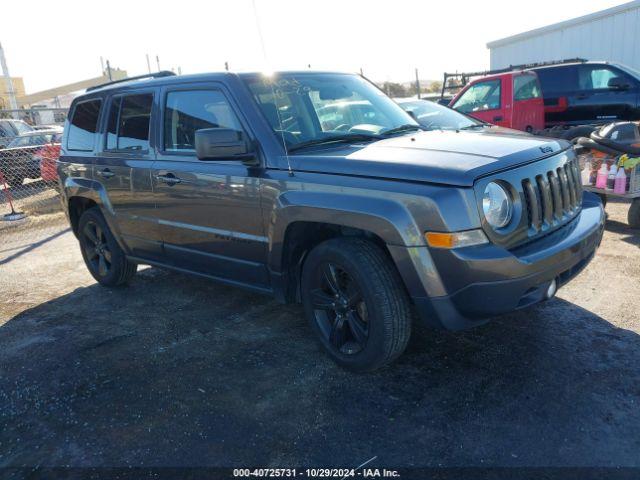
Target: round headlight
point(496, 205)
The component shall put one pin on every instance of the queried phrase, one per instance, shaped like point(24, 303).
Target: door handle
point(497, 118)
point(582, 96)
point(105, 173)
point(169, 179)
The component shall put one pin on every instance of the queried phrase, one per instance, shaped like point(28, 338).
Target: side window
point(594, 77)
point(83, 126)
point(481, 96)
point(190, 110)
point(525, 87)
point(557, 81)
point(128, 123)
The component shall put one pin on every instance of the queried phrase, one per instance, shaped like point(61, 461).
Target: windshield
point(31, 140)
point(22, 127)
point(434, 116)
point(309, 109)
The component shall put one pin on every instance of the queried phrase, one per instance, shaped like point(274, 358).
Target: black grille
point(552, 198)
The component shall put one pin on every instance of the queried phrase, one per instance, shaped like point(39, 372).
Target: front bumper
point(485, 281)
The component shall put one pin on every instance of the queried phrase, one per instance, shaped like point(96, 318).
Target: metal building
point(611, 35)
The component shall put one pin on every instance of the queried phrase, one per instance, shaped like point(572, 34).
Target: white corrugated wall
point(614, 37)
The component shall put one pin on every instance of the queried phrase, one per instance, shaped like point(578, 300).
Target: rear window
point(525, 87)
point(558, 81)
point(83, 126)
point(128, 124)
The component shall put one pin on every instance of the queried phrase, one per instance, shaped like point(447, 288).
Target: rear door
point(596, 102)
point(486, 100)
point(528, 106)
point(559, 89)
point(123, 168)
point(208, 211)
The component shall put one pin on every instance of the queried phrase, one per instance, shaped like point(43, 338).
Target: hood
point(445, 157)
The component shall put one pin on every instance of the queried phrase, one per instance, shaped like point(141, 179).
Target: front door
point(596, 102)
point(487, 100)
point(123, 167)
point(208, 211)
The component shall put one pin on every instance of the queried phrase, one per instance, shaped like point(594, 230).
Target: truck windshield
point(433, 116)
point(313, 109)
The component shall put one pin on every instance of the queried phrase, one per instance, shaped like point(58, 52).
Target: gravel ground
point(178, 371)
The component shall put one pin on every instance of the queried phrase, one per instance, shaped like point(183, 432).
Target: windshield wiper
point(475, 125)
point(403, 128)
point(354, 137)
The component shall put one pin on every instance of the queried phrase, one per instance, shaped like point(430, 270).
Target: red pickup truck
point(512, 99)
point(565, 99)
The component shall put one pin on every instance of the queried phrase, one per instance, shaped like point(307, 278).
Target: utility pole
point(7, 78)
point(417, 83)
point(226, 66)
point(109, 71)
point(148, 64)
point(158, 62)
point(361, 72)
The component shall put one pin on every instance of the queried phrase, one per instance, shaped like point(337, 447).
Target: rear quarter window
point(83, 126)
point(558, 81)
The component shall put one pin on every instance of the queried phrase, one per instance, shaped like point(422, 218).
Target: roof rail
point(163, 73)
point(464, 77)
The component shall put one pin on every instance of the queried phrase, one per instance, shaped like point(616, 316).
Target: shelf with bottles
point(611, 176)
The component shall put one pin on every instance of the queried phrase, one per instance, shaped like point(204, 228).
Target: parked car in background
point(10, 128)
point(318, 188)
point(567, 99)
point(19, 161)
point(48, 158)
point(51, 128)
point(433, 116)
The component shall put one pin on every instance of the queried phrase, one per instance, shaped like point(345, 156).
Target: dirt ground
point(179, 371)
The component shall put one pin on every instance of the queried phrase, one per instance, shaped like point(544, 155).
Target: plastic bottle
point(611, 178)
point(601, 179)
point(586, 173)
point(621, 182)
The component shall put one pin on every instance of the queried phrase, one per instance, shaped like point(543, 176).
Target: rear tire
point(355, 302)
point(633, 216)
point(102, 255)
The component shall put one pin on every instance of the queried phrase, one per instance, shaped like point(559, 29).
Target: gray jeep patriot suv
point(317, 188)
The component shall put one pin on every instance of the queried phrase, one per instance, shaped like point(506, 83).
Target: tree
point(394, 89)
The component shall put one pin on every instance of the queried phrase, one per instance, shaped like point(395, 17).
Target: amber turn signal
point(455, 239)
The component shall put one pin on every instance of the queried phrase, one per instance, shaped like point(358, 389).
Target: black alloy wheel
point(339, 309)
point(97, 250)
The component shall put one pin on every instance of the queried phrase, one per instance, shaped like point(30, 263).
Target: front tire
point(355, 302)
point(102, 255)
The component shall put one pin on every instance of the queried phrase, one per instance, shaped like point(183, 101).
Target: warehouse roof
point(567, 23)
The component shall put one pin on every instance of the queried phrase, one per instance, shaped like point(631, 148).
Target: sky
point(51, 44)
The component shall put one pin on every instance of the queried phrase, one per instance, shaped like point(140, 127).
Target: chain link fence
point(29, 150)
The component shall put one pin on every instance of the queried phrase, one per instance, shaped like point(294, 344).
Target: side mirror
point(222, 144)
point(618, 83)
point(412, 114)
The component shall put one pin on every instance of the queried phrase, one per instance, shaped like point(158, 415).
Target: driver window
point(190, 110)
point(596, 77)
point(479, 97)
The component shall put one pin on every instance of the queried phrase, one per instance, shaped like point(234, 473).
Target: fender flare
point(383, 217)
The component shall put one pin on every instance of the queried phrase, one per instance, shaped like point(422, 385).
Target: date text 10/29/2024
point(315, 473)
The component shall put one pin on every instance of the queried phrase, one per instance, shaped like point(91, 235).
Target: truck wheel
point(354, 300)
point(633, 216)
point(103, 256)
